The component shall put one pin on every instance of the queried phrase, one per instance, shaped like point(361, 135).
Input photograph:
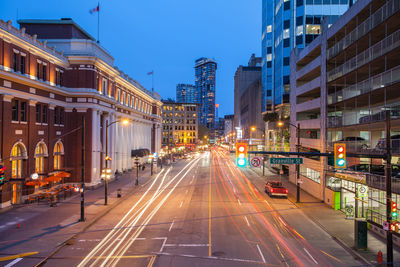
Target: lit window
point(299, 30)
point(269, 28)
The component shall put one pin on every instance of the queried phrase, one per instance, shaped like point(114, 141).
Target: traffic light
point(340, 155)
point(2, 175)
point(396, 226)
point(393, 210)
point(241, 154)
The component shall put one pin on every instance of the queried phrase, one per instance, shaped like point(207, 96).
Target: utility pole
point(388, 173)
point(298, 165)
point(83, 172)
point(106, 174)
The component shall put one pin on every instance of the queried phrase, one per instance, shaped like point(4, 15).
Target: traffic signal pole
point(388, 174)
point(297, 165)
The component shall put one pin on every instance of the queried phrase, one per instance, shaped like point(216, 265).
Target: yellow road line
point(12, 257)
point(299, 234)
point(152, 260)
point(209, 213)
point(329, 255)
point(123, 257)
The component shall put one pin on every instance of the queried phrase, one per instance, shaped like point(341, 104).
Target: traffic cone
point(19, 225)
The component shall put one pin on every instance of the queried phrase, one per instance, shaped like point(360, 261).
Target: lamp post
point(280, 124)
point(83, 171)
point(107, 173)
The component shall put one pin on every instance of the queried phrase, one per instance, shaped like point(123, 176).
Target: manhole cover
point(218, 253)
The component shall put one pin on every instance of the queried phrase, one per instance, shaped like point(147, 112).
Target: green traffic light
point(394, 214)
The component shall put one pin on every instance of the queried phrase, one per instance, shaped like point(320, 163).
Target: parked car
point(376, 169)
point(276, 188)
point(355, 142)
point(395, 144)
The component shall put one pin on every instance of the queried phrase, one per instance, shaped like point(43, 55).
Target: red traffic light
point(241, 149)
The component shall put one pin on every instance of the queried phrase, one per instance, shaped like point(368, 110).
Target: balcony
point(308, 86)
point(310, 124)
point(310, 142)
point(389, 43)
point(371, 22)
point(384, 79)
point(308, 105)
point(308, 70)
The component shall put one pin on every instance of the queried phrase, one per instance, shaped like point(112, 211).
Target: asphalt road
point(203, 212)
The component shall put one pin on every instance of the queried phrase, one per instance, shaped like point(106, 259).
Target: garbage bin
point(119, 193)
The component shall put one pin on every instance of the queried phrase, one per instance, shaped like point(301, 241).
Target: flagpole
point(152, 81)
point(98, 23)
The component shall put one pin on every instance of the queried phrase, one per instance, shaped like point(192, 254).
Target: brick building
point(52, 75)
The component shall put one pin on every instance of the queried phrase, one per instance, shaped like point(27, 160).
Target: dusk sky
point(164, 36)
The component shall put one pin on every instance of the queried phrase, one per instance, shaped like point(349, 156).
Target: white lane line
point(282, 221)
point(259, 250)
point(209, 257)
point(310, 255)
point(163, 244)
point(172, 224)
point(239, 202)
point(14, 262)
point(247, 221)
point(186, 245)
point(180, 206)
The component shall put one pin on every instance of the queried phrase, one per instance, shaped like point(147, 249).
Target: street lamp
point(281, 124)
point(107, 173)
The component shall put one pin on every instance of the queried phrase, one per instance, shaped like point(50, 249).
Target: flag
point(150, 73)
point(96, 9)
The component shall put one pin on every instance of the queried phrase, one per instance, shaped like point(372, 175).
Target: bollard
point(379, 257)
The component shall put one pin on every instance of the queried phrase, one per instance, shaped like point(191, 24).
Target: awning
point(61, 174)
point(36, 182)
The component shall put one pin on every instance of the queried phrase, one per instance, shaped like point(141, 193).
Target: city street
point(201, 211)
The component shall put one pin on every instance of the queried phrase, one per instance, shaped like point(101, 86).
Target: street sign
point(362, 190)
point(255, 161)
point(349, 210)
point(286, 160)
point(386, 226)
point(300, 181)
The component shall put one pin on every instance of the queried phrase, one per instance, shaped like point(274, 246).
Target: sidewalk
point(333, 222)
point(46, 229)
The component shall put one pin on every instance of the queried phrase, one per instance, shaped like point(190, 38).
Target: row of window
point(180, 121)
point(19, 153)
point(125, 98)
point(180, 140)
point(19, 65)
point(19, 112)
point(177, 115)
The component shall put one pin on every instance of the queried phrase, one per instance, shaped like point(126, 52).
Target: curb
point(352, 252)
point(90, 223)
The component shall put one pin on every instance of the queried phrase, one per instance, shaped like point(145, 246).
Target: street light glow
point(253, 129)
point(280, 123)
point(125, 121)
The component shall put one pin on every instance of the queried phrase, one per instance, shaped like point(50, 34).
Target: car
point(395, 144)
point(375, 169)
point(275, 188)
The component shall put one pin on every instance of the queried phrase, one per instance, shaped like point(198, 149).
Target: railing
point(355, 117)
point(375, 147)
point(379, 182)
point(378, 81)
point(369, 54)
point(371, 22)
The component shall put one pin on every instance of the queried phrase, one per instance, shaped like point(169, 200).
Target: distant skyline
point(162, 36)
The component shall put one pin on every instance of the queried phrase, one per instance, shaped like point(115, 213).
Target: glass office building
point(287, 24)
point(205, 69)
point(186, 93)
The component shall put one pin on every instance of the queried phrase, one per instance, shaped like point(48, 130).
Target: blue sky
point(166, 36)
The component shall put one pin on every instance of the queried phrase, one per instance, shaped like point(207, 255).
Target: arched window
point(18, 153)
point(40, 154)
point(57, 154)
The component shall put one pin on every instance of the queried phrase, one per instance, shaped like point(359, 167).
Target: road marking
point(13, 262)
point(259, 250)
point(247, 221)
point(310, 255)
point(282, 221)
point(180, 206)
point(329, 255)
point(152, 260)
point(172, 224)
point(163, 244)
point(186, 245)
point(239, 202)
point(12, 257)
point(213, 257)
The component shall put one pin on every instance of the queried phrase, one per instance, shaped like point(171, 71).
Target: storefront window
point(334, 183)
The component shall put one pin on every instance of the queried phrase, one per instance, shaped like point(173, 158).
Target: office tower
point(286, 25)
point(205, 69)
point(186, 93)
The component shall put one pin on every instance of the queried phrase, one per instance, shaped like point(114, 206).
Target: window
point(286, 24)
point(299, 20)
point(118, 95)
point(44, 114)
point(17, 155)
point(286, 42)
point(286, 5)
point(299, 30)
point(57, 154)
point(23, 111)
point(40, 153)
point(38, 70)
point(61, 78)
point(286, 61)
point(22, 64)
point(15, 61)
point(14, 111)
point(38, 109)
point(299, 2)
point(313, 29)
point(123, 98)
point(44, 74)
point(104, 88)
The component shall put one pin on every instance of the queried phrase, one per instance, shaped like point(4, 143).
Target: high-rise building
point(186, 93)
point(247, 97)
point(205, 69)
point(286, 25)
